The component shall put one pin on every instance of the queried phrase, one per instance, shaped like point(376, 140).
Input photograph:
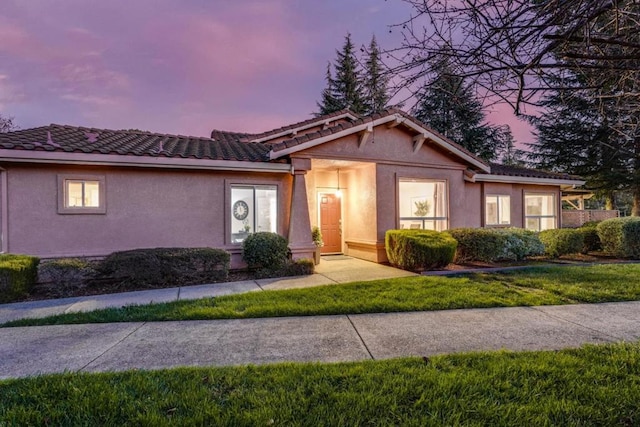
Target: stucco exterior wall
point(144, 208)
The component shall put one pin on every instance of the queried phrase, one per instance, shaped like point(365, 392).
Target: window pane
point(74, 194)
point(505, 209)
point(92, 194)
point(253, 209)
point(267, 209)
point(533, 205)
point(533, 224)
point(547, 223)
point(492, 210)
point(422, 204)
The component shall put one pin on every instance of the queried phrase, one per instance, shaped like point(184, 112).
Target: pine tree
point(375, 81)
point(507, 153)
point(574, 136)
point(329, 103)
point(345, 89)
point(450, 107)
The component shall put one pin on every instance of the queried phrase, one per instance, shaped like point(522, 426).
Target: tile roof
point(221, 135)
point(73, 139)
point(507, 170)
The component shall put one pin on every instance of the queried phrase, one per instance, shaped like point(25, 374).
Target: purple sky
point(181, 66)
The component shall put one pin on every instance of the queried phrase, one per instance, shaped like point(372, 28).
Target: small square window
point(81, 194)
point(498, 210)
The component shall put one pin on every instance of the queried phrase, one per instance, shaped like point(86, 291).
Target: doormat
point(335, 257)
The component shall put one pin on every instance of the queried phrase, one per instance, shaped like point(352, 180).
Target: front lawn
point(594, 385)
point(540, 286)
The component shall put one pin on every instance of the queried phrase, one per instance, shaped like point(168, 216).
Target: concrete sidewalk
point(331, 270)
point(119, 346)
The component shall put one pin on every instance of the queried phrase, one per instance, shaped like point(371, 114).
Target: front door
point(330, 223)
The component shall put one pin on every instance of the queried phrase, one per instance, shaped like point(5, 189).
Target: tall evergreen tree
point(574, 136)
point(344, 90)
point(376, 82)
point(329, 103)
point(449, 106)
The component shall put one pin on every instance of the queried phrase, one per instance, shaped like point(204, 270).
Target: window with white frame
point(540, 211)
point(497, 210)
point(83, 194)
point(422, 204)
point(254, 208)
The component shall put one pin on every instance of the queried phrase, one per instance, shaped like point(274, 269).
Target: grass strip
point(593, 385)
point(540, 286)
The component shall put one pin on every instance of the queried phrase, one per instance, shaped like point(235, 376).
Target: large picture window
point(540, 211)
point(253, 208)
point(498, 210)
point(423, 204)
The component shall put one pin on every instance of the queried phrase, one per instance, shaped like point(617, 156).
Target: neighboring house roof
point(71, 139)
point(522, 175)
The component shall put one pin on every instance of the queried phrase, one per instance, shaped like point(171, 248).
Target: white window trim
point(497, 224)
point(63, 209)
point(540, 217)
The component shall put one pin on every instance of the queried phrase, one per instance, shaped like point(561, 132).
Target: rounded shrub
point(418, 250)
point(478, 244)
point(495, 244)
point(265, 250)
point(520, 244)
point(562, 241)
point(621, 236)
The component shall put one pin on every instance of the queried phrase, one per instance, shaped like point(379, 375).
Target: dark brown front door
point(330, 223)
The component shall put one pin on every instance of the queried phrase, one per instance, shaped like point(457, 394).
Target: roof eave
point(56, 157)
point(386, 119)
point(570, 183)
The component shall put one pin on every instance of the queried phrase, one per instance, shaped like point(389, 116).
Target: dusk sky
point(183, 67)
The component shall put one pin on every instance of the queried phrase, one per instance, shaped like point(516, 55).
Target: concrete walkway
point(118, 346)
point(331, 270)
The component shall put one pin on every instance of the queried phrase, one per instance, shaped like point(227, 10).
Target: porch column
point(300, 241)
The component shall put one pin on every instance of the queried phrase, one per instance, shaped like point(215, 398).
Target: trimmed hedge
point(18, 273)
point(417, 250)
point(591, 239)
point(562, 241)
point(265, 250)
point(161, 267)
point(620, 237)
point(495, 244)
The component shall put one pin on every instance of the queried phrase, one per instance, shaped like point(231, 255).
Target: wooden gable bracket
point(418, 140)
point(394, 123)
point(293, 133)
point(364, 135)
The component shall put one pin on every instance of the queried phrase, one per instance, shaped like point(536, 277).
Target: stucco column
point(300, 241)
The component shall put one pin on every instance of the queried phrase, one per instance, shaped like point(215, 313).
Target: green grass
point(594, 385)
point(540, 286)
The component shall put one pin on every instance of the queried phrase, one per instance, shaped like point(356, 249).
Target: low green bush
point(417, 250)
point(621, 237)
point(478, 244)
point(495, 244)
point(562, 241)
point(161, 267)
point(18, 273)
point(520, 244)
point(589, 231)
point(66, 272)
point(265, 250)
point(298, 267)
